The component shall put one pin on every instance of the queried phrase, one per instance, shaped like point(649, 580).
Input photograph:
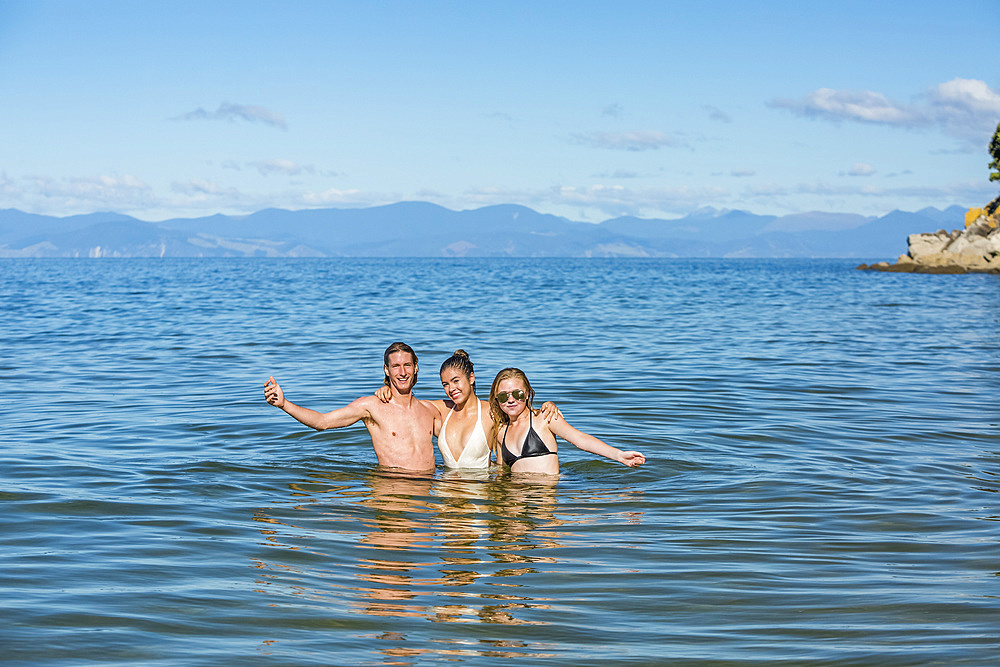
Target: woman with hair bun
point(525, 445)
point(463, 438)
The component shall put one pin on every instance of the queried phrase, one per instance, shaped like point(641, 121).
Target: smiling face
point(457, 385)
point(508, 381)
point(515, 391)
point(401, 369)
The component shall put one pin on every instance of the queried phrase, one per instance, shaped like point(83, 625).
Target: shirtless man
point(401, 429)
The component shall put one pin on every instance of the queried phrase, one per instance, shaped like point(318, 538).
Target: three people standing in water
point(462, 439)
point(467, 428)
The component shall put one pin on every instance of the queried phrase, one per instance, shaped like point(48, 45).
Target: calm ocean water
point(821, 486)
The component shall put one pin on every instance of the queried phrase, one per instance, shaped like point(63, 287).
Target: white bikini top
point(476, 453)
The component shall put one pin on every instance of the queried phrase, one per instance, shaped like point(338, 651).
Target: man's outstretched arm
point(320, 421)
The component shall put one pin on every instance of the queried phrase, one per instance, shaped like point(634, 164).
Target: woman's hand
point(631, 459)
point(273, 393)
point(383, 394)
point(550, 412)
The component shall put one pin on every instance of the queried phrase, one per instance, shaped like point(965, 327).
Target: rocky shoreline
point(975, 249)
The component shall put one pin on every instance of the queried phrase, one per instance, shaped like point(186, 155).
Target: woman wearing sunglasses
point(526, 445)
point(462, 437)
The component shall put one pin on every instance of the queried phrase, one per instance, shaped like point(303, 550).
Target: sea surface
point(821, 485)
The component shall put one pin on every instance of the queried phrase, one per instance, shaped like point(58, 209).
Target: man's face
point(402, 371)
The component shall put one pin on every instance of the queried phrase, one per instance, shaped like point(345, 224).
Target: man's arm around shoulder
point(432, 408)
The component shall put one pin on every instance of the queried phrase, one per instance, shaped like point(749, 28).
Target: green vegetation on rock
point(995, 165)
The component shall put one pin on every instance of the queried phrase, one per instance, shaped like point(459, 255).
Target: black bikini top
point(532, 446)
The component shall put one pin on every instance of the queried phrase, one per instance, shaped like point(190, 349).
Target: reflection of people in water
point(462, 438)
point(401, 428)
point(526, 445)
point(523, 515)
point(400, 548)
point(398, 502)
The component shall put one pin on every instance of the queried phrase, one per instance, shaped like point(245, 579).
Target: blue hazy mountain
point(420, 229)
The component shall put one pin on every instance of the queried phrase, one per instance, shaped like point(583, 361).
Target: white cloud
point(742, 173)
point(599, 202)
point(967, 95)
point(334, 196)
point(203, 189)
point(8, 187)
point(893, 197)
point(608, 200)
point(282, 166)
point(861, 169)
point(839, 105)
point(234, 112)
point(965, 109)
point(87, 193)
point(618, 174)
point(636, 140)
point(277, 166)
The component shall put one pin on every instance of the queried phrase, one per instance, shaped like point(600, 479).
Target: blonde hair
point(500, 417)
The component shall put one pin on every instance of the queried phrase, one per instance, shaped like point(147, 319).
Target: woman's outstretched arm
point(589, 443)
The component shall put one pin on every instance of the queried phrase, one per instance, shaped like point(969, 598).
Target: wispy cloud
point(965, 109)
point(281, 166)
point(277, 166)
point(613, 111)
point(8, 188)
point(234, 112)
point(860, 169)
point(89, 193)
point(609, 200)
point(618, 174)
point(203, 189)
point(636, 140)
point(953, 192)
point(335, 196)
point(742, 173)
point(715, 113)
point(850, 105)
point(500, 115)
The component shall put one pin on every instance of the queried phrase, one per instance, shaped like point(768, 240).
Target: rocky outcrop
point(975, 249)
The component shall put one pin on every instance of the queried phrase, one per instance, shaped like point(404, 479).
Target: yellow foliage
point(972, 215)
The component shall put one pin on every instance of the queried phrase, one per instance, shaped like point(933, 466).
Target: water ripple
point(823, 464)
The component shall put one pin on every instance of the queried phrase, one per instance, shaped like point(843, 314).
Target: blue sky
point(589, 110)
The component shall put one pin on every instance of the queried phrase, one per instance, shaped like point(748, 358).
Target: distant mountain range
point(419, 229)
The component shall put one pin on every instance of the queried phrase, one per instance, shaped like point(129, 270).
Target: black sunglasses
point(517, 394)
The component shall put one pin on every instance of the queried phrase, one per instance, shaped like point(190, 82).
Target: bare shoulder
point(366, 401)
point(560, 427)
point(436, 408)
point(365, 406)
point(438, 405)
